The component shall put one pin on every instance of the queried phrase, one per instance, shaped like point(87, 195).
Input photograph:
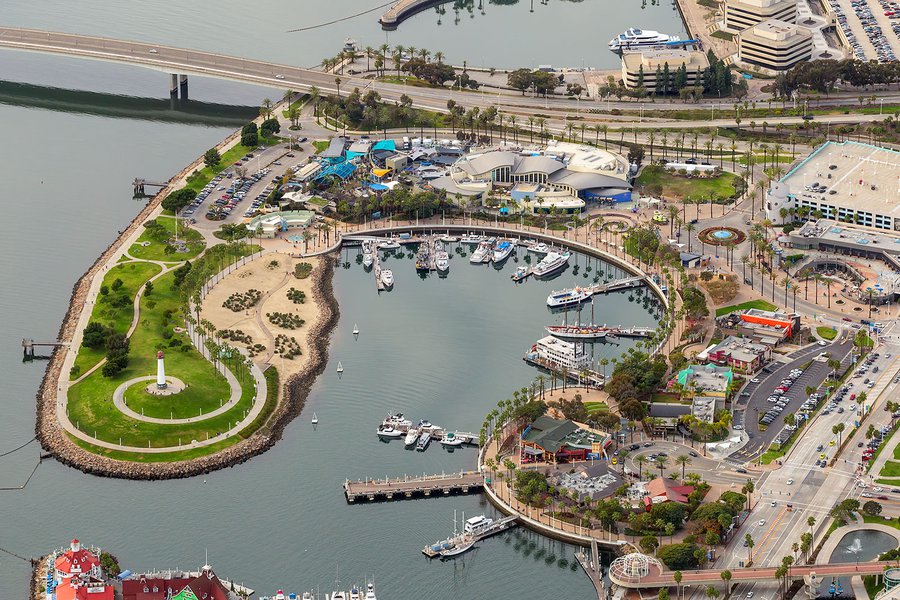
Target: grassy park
point(758, 304)
point(157, 242)
point(826, 333)
point(721, 187)
point(115, 309)
point(90, 401)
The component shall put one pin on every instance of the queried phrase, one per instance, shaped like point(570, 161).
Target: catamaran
point(551, 263)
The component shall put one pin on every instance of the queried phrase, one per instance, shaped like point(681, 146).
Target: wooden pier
point(372, 490)
point(28, 347)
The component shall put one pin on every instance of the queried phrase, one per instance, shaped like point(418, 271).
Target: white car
point(823, 343)
point(754, 380)
point(790, 482)
point(774, 503)
point(279, 76)
point(154, 51)
point(878, 489)
point(761, 522)
point(749, 594)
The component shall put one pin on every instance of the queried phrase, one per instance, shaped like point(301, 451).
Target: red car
point(882, 497)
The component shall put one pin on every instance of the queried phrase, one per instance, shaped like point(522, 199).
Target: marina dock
point(373, 490)
point(589, 561)
point(587, 375)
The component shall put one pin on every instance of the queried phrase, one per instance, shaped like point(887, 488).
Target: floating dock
point(373, 490)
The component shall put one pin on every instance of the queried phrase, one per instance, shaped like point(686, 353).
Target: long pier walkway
point(464, 482)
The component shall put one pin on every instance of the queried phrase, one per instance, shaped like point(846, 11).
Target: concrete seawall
point(404, 9)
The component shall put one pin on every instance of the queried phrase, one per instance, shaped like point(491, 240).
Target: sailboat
point(578, 331)
point(355, 329)
point(340, 368)
point(315, 419)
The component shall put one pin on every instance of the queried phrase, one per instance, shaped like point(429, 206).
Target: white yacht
point(481, 253)
point(338, 595)
point(368, 260)
point(388, 245)
point(355, 594)
point(539, 248)
point(551, 263)
point(640, 38)
point(389, 433)
point(387, 278)
point(502, 250)
point(568, 297)
point(451, 440)
point(442, 261)
point(460, 547)
point(370, 592)
point(472, 239)
point(411, 437)
point(397, 421)
point(447, 238)
point(478, 525)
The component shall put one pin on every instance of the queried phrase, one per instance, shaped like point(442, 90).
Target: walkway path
point(119, 402)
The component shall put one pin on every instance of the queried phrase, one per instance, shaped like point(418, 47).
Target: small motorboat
point(368, 260)
point(355, 593)
point(355, 329)
point(442, 261)
point(370, 592)
point(449, 239)
point(387, 278)
point(520, 274)
point(388, 432)
point(411, 437)
point(388, 245)
point(451, 440)
point(340, 367)
point(315, 419)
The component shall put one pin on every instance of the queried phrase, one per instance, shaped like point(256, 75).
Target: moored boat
point(481, 253)
point(458, 548)
point(370, 591)
point(442, 261)
point(568, 297)
point(520, 274)
point(451, 440)
point(634, 38)
point(551, 263)
point(388, 432)
point(388, 245)
point(448, 239)
point(368, 260)
point(423, 442)
point(538, 248)
point(578, 332)
point(502, 250)
point(387, 278)
point(411, 437)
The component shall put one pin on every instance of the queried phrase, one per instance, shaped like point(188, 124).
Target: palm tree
point(677, 577)
point(512, 125)
point(370, 52)
point(726, 577)
point(810, 521)
point(439, 57)
point(748, 541)
point(266, 108)
point(337, 82)
point(684, 460)
point(661, 463)
point(640, 460)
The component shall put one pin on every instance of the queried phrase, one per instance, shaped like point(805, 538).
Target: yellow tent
point(380, 172)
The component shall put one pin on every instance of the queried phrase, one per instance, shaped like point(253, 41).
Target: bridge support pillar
point(812, 582)
point(183, 85)
point(173, 88)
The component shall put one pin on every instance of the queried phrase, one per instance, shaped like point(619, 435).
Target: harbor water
point(443, 349)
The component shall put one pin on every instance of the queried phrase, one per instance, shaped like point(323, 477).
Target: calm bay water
point(443, 349)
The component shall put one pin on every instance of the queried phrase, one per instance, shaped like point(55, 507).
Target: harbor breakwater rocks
point(55, 440)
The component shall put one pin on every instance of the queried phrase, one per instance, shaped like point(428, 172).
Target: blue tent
point(385, 145)
point(378, 187)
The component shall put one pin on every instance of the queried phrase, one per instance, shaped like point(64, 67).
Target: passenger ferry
point(551, 263)
point(569, 297)
point(633, 38)
point(552, 352)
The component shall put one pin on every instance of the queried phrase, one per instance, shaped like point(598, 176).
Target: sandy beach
point(273, 276)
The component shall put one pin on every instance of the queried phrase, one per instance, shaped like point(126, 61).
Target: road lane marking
point(768, 536)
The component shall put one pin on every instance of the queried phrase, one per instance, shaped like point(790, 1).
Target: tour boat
point(478, 525)
point(578, 332)
point(368, 260)
point(451, 440)
point(481, 253)
point(388, 245)
point(370, 592)
point(458, 548)
point(502, 250)
point(315, 419)
point(355, 329)
point(551, 263)
point(388, 432)
point(568, 297)
point(442, 261)
point(423, 442)
point(640, 38)
point(340, 367)
point(387, 278)
point(411, 436)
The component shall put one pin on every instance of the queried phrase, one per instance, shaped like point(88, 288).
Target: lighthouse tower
point(160, 372)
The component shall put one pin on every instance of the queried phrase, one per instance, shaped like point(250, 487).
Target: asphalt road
point(749, 407)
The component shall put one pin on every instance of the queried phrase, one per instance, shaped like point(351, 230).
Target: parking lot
point(871, 26)
point(229, 198)
point(754, 400)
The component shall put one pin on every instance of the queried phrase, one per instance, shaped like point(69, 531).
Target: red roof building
point(79, 576)
point(204, 586)
point(663, 489)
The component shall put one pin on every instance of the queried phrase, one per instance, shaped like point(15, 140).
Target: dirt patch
point(721, 290)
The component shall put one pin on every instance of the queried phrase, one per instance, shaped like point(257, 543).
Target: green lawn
point(882, 521)
point(719, 34)
point(891, 468)
point(152, 246)
point(116, 309)
point(826, 333)
point(759, 304)
point(722, 187)
point(596, 408)
point(892, 482)
point(90, 401)
point(320, 146)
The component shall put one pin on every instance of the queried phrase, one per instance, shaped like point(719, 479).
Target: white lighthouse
point(160, 371)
